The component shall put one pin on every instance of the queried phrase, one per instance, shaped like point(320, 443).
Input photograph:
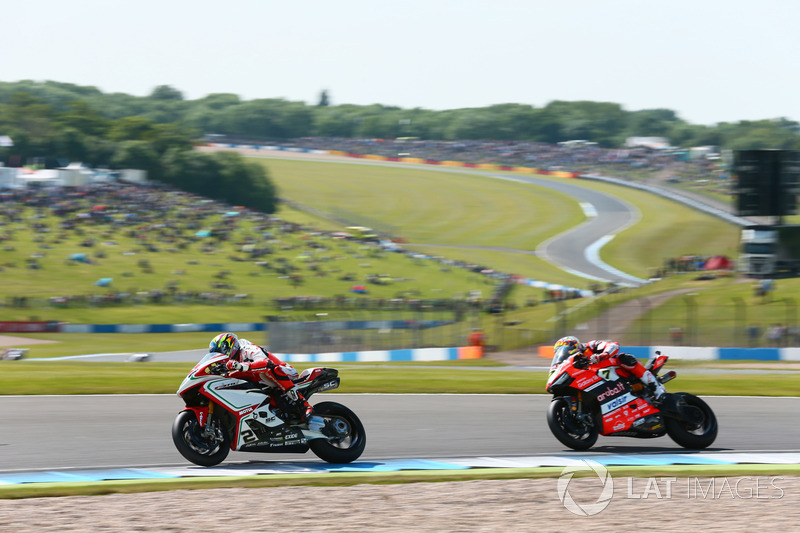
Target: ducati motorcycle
point(224, 414)
point(605, 399)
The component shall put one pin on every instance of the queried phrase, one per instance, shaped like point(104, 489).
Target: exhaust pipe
point(669, 376)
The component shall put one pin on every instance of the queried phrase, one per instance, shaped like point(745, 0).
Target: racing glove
point(236, 366)
point(580, 362)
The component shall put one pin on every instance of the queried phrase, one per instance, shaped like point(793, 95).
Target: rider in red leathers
point(597, 351)
point(252, 362)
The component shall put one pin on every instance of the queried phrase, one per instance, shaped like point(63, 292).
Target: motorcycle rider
point(247, 360)
point(596, 351)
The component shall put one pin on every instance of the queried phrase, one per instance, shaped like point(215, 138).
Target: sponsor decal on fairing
point(616, 403)
point(611, 392)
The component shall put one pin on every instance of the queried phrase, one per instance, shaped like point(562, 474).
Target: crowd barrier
point(700, 353)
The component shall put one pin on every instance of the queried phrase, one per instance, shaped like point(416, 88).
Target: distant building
point(73, 175)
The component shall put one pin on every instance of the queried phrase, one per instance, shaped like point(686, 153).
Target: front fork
point(204, 416)
point(208, 429)
point(576, 409)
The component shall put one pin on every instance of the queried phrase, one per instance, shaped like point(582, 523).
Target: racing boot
point(655, 386)
point(298, 409)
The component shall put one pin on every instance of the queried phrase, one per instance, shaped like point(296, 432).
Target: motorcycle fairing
point(306, 382)
point(656, 362)
point(623, 417)
point(203, 371)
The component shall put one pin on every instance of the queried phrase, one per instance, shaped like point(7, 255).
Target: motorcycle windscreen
point(560, 355)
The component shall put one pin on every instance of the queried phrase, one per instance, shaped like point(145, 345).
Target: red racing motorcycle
point(605, 399)
point(224, 414)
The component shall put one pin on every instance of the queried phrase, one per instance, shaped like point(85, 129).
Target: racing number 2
point(248, 436)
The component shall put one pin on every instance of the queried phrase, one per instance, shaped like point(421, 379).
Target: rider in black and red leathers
point(597, 351)
point(252, 362)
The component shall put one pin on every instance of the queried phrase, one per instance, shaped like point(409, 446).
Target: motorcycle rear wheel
point(192, 442)
point(567, 429)
point(347, 447)
point(693, 435)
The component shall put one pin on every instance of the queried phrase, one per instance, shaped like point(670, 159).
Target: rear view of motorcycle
point(591, 400)
point(224, 414)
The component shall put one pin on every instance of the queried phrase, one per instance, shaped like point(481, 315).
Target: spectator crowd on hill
point(157, 218)
point(579, 157)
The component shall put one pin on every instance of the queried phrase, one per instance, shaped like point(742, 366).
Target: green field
point(468, 209)
point(79, 377)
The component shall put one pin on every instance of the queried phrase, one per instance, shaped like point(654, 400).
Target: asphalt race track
point(119, 431)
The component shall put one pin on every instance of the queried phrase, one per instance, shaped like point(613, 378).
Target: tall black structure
point(767, 182)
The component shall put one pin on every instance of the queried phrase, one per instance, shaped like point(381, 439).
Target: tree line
point(52, 124)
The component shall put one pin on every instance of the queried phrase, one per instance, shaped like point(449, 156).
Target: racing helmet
point(572, 344)
point(226, 343)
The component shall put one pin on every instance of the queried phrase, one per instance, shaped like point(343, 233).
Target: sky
point(710, 61)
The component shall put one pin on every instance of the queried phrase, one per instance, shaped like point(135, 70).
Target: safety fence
point(771, 321)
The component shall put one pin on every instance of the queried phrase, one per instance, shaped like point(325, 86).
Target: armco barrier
point(699, 353)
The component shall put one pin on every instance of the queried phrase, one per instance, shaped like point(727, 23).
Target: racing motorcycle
point(224, 414)
point(605, 399)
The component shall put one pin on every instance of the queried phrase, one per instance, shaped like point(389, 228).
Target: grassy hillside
point(473, 210)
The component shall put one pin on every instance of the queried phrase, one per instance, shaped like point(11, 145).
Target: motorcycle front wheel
point(698, 429)
point(204, 446)
point(348, 437)
point(567, 428)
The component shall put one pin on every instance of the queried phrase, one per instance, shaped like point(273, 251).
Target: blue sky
point(708, 60)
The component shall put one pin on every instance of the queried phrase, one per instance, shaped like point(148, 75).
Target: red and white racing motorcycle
point(604, 399)
point(224, 414)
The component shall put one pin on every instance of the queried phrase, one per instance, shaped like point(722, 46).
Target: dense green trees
point(38, 109)
point(52, 124)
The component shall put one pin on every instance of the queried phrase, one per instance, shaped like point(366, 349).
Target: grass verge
point(77, 377)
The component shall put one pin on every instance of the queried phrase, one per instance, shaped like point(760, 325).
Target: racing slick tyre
point(696, 428)
point(567, 428)
point(202, 446)
point(347, 436)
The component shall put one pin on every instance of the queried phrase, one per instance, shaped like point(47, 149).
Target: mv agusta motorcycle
point(224, 414)
point(602, 399)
